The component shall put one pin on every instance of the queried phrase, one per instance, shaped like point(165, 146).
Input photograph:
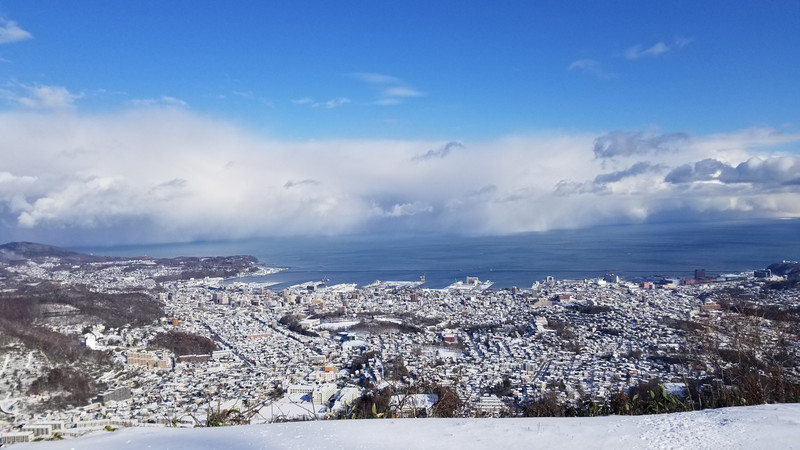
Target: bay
point(631, 251)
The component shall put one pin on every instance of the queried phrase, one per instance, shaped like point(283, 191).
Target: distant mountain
point(22, 251)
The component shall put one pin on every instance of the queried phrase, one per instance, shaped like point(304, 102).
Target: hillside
point(763, 426)
point(21, 251)
point(785, 268)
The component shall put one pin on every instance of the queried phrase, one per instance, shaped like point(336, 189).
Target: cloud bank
point(161, 174)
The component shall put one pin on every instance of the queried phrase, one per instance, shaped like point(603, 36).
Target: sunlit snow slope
point(763, 426)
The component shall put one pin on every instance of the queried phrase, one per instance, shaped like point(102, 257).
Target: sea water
point(631, 251)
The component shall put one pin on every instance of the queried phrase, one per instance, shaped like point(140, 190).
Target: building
point(300, 389)
point(307, 324)
point(345, 398)
point(90, 341)
point(766, 273)
point(490, 404)
point(38, 429)
point(115, 395)
point(700, 274)
point(413, 405)
point(197, 359)
point(220, 298)
point(222, 354)
point(323, 393)
point(15, 438)
point(710, 307)
point(149, 360)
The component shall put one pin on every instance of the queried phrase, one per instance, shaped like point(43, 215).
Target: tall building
point(700, 274)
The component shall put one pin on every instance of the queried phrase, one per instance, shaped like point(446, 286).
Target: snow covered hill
point(763, 426)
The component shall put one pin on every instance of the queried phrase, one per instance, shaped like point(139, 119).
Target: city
point(388, 349)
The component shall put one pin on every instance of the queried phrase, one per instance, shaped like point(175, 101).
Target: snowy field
point(763, 427)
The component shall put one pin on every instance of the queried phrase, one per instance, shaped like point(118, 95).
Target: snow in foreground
point(764, 426)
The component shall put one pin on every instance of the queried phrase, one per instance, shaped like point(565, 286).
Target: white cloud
point(402, 92)
point(13, 190)
point(166, 174)
point(591, 67)
point(377, 78)
point(249, 95)
point(405, 209)
point(87, 203)
point(46, 97)
point(392, 90)
point(583, 64)
point(329, 104)
point(638, 51)
point(333, 103)
point(11, 32)
point(164, 100)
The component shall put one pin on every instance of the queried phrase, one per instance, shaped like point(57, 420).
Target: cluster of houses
point(496, 349)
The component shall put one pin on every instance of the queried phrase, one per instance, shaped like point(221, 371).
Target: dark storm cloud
point(636, 169)
point(783, 170)
point(290, 184)
point(567, 187)
point(705, 170)
point(600, 183)
point(777, 170)
point(441, 152)
point(622, 143)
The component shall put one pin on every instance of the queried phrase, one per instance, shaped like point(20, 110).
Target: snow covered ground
point(337, 326)
point(764, 426)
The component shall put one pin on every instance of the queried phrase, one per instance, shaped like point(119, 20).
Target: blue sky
point(302, 82)
point(471, 69)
